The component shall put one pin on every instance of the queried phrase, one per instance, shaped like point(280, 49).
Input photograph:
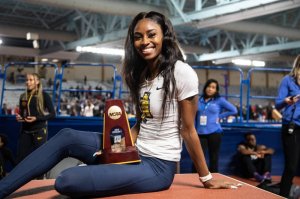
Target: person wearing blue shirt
point(211, 109)
point(288, 101)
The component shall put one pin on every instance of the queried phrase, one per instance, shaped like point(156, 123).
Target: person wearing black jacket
point(36, 108)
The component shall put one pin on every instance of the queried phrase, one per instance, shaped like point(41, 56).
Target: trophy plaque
point(24, 108)
point(118, 146)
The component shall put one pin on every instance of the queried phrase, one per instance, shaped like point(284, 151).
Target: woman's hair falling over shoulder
point(296, 67)
point(135, 67)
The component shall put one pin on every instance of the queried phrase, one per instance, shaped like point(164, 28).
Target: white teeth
point(146, 50)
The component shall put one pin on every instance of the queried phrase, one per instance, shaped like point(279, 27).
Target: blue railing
point(247, 82)
point(61, 76)
point(117, 87)
point(25, 64)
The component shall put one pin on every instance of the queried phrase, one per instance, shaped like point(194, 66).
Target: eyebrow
point(148, 31)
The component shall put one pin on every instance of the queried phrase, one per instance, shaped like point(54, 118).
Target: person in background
point(161, 84)
point(5, 156)
point(211, 109)
point(4, 110)
point(42, 72)
point(288, 101)
point(38, 107)
point(256, 160)
point(88, 110)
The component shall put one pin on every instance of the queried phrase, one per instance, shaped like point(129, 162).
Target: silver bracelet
point(206, 178)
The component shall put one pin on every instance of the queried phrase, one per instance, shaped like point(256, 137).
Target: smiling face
point(32, 82)
point(211, 89)
point(148, 39)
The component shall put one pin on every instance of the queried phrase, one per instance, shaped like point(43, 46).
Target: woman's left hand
point(220, 184)
point(30, 119)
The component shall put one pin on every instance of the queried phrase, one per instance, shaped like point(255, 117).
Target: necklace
point(149, 84)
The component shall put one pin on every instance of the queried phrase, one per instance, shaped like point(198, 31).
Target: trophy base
point(130, 155)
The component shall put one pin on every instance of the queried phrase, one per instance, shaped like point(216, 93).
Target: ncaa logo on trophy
point(114, 112)
point(118, 146)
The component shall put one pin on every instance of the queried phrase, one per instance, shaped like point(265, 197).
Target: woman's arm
point(188, 108)
point(283, 97)
point(135, 131)
point(230, 108)
point(136, 127)
point(49, 107)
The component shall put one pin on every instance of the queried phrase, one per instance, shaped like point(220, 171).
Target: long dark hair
point(208, 82)
point(135, 69)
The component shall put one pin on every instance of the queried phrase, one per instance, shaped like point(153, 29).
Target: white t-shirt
point(89, 110)
point(159, 138)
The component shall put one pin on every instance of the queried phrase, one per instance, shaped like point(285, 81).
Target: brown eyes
point(151, 35)
point(139, 36)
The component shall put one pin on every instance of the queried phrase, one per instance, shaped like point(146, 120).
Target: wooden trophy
point(24, 108)
point(118, 147)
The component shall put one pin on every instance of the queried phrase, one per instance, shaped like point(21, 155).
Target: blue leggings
point(94, 180)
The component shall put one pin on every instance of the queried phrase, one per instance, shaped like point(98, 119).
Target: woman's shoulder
point(287, 78)
point(219, 98)
point(183, 68)
point(181, 65)
point(23, 94)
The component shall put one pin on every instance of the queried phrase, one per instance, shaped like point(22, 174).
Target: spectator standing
point(288, 101)
point(211, 109)
point(39, 110)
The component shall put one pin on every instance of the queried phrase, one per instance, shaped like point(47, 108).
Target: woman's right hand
point(220, 184)
point(19, 118)
point(289, 100)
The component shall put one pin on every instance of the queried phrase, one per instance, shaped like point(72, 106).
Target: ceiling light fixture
point(247, 62)
point(34, 37)
point(258, 63)
point(243, 62)
point(107, 51)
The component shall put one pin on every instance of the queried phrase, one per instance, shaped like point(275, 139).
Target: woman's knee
point(66, 132)
point(64, 183)
point(75, 182)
